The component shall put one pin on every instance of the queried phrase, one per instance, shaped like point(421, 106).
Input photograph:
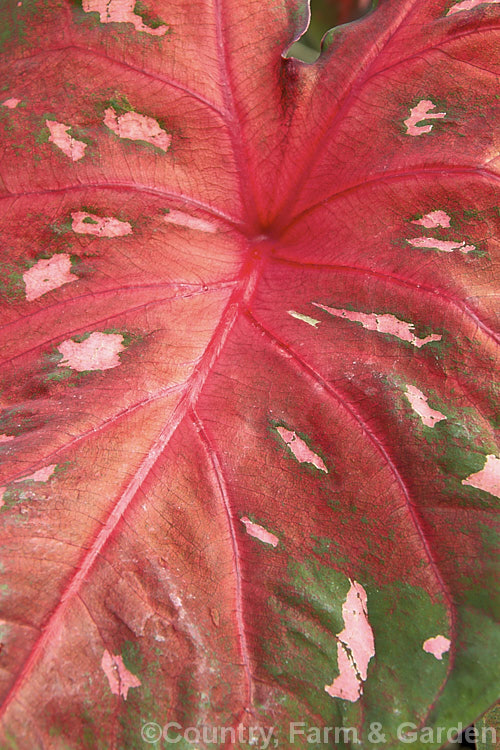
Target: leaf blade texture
point(249, 345)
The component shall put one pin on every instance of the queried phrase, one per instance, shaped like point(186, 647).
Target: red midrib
point(309, 372)
point(356, 82)
point(240, 296)
point(240, 620)
point(247, 187)
point(93, 323)
point(193, 388)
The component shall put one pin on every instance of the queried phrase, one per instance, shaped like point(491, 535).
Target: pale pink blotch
point(419, 405)
point(6, 438)
point(445, 246)
point(488, 479)
point(60, 137)
point(46, 275)
point(434, 219)
point(100, 351)
point(11, 103)
point(346, 686)
point(355, 647)
point(101, 226)
point(382, 324)
point(419, 113)
point(300, 449)
point(190, 222)
point(136, 127)
point(120, 679)
point(42, 475)
point(121, 11)
point(470, 5)
point(259, 532)
point(437, 646)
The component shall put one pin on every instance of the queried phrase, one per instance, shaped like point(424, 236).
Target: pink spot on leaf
point(121, 11)
point(355, 647)
point(46, 275)
point(434, 219)
point(347, 685)
point(98, 352)
point(437, 646)
point(253, 529)
point(11, 103)
point(42, 475)
point(419, 113)
point(60, 137)
point(419, 404)
point(488, 479)
point(101, 226)
point(6, 438)
point(191, 222)
point(446, 246)
point(469, 5)
point(300, 449)
point(137, 127)
point(383, 324)
point(119, 678)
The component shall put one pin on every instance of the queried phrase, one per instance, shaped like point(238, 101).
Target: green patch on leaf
point(43, 135)
point(119, 102)
point(17, 421)
point(11, 282)
point(151, 20)
point(16, 494)
point(62, 228)
point(403, 617)
point(329, 550)
point(309, 606)
point(488, 729)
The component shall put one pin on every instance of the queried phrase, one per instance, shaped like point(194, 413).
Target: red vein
point(288, 353)
point(467, 63)
point(133, 187)
point(193, 288)
point(402, 282)
point(420, 171)
point(352, 87)
point(437, 48)
point(88, 325)
point(240, 622)
point(233, 122)
point(93, 431)
point(193, 387)
point(128, 66)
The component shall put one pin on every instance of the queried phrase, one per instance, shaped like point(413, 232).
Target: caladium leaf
point(486, 732)
point(249, 468)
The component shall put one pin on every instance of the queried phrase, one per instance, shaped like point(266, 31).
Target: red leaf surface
point(249, 344)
